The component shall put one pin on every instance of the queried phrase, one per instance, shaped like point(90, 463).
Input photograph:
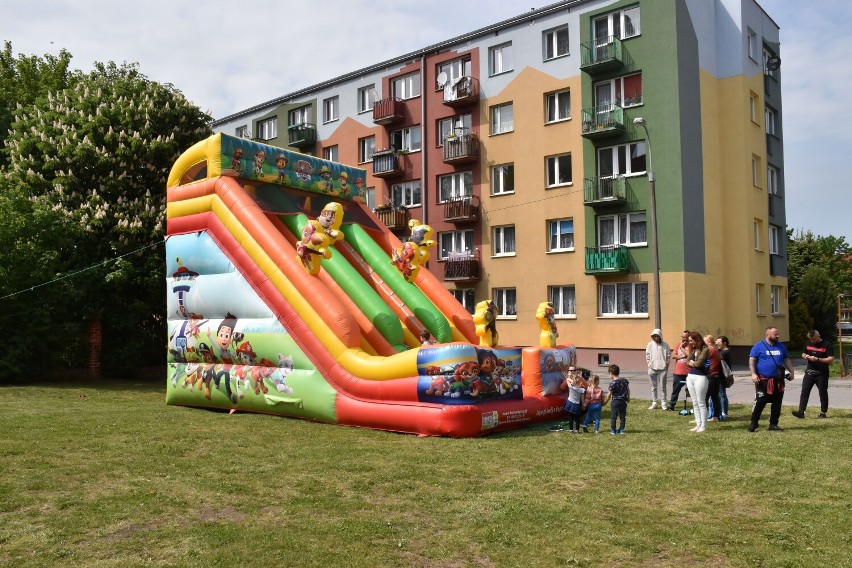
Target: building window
point(406, 139)
point(503, 179)
point(774, 240)
point(267, 129)
point(502, 119)
point(500, 59)
point(555, 43)
point(752, 102)
point(766, 70)
point(242, 131)
point(622, 160)
point(772, 180)
point(628, 229)
point(564, 300)
point(504, 241)
point(775, 299)
point(769, 119)
point(507, 302)
point(557, 106)
point(455, 243)
point(406, 87)
point(406, 194)
point(758, 229)
point(560, 235)
point(330, 109)
point(369, 195)
point(622, 91)
point(455, 70)
point(330, 153)
point(752, 44)
point(623, 299)
point(755, 171)
point(366, 98)
point(454, 125)
point(620, 25)
point(558, 170)
point(300, 115)
point(366, 148)
point(455, 185)
point(758, 294)
point(466, 297)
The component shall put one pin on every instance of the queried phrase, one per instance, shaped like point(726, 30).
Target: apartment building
point(529, 147)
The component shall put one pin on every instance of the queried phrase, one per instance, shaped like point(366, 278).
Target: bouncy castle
point(288, 296)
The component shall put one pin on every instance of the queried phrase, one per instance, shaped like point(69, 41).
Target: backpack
point(728, 374)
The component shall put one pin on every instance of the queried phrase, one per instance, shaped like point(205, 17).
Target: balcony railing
point(601, 54)
point(463, 91)
point(302, 135)
point(606, 259)
point(604, 191)
point(460, 148)
point(392, 217)
point(603, 121)
point(387, 163)
point(388, 111)
point(462, 267)
point(462, 209)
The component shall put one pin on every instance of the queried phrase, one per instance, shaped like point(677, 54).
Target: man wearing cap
point(658, 354)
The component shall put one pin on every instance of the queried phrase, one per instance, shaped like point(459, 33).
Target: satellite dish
point(442, 78)
point(773, 63)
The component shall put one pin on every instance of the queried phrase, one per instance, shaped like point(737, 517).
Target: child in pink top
point(593, 401)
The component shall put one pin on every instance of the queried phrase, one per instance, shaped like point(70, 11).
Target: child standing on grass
point(573, 406)
point(593, 401)
point(619, 394)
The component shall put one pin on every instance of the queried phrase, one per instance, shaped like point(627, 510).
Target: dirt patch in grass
point(229, 514)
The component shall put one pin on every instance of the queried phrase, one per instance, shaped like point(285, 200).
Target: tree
point(801, 323)
point(90, 163)
point(817, 292)
point(804, 250)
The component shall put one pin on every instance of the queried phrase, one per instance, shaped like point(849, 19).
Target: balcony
point(601, 54)
point(603, 121)
point(388, 111)
point(462, 267)
point(610, 259)
point(462, 209)
point(773, 146)
point(777, 265)
point(394, 218)
point(387, 163)
point(604, 191)
point(461, 92)
point(461, 148)
point(302, 135)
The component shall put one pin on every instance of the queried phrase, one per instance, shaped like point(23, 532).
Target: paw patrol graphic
point(415, 252)
point(318, 235)
point(281, 165)
point(257, 169)
point(485, 319)
point(544, 316)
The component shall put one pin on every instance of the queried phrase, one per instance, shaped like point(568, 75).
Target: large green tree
point(817, 291)
point(805, 249)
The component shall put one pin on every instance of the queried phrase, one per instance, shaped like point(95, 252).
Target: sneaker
point(621, 431)
point(585, 430)
point(596, 432)
point(557, 428)
point(723, 417)
point(775, 428)
point(714, 419)
point(665, 406)
point(702, 429)
point(822, 415)
point(695, 429)
point(752, 427)
point(653, 405)
point(798, 414)
point(612, 432)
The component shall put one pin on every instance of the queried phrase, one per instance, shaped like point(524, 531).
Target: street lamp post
point(639, 121)
point(840, 331)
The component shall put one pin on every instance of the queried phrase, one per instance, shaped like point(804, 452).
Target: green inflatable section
point(416, 301)
point(362, 294)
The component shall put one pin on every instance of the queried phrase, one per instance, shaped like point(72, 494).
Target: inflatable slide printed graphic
point(287, 296)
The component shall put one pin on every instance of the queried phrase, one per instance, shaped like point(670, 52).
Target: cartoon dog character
point(318, 235)
point(466, 377)
point(280, 165)
point(485, 319)
point(237, 161)
point(544, 315)
point(415, 252)
point(259, 158)
point(248, 359)
point(193, 376)
point(285, 367)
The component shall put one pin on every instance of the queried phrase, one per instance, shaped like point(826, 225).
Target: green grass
point(105, 474)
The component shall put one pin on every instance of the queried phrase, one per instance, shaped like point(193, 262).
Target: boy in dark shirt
point(619, 394)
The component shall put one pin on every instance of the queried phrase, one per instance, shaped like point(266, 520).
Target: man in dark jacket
point(819, 354)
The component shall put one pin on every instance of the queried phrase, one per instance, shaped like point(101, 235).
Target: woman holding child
point(696, 380)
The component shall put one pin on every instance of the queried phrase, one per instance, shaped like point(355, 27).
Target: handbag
point(728, 374)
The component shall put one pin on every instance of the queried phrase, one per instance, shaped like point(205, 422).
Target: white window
point(242, 131)
point(774, 240)
point(623, 299)
point(330, 109)
point(456, 243)
point(406, 194)
point(622, 91)
point(557, 106)
point(752, 102)
point(366, 147)
point(267, 129)
point(758, 294)
point(775, 299)
point(558, 170)
point(766, 70)
point(330, 153)
point(769, 118)
point(564, 300)
point(507, 302)
point(455, 70)
point(406, 87)
point(466, 297)
point(772, 180)
point(620, 25)
point(500, 59)
point(503, 179)
point(555, 43)
point(406, 139)
point(502, 119)
point(622, 160)
point(453, 126)
point(752, 44)
point(504, 241)
point(299, 116)
point(369, 195)
point(758, 229)
point(366, 98)
point(560, 235)
point(455, 185)
point(627, 229)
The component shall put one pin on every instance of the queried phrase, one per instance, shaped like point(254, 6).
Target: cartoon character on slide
point(318, 235)
point(544, 315)
point(225, 335)
point(208, 368)
point(259, 158)
point(237, 161)
point(280, 165)
point(247, 368)
point(485, 318)
point(285, 367)
point(415, 252)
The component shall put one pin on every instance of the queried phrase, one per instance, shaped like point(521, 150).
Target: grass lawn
point(105, 474)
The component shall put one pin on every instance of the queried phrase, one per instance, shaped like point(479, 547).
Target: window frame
point(775, 300)
point(769, 119)
point(555, 97)
point(751, 44)
point(331, 109)
point(758, 230)
point(771, 180)
point(555, 159)
point(407, 190)
point(618, 91)
point(619, 219)
point(559, 303)
point(267, 128)
point(242, 131)
point(758, 293)
point(406, 86)
point(458, 189)
point(364, 153)
point(774, 237)
point(550, 43)
point(616, 157)
point(303, 113)
point(331, 153)
point(616, 24)
point(502, 176)
point(500, 297)
point(493, 53)
point(555, 233)
point(496, 112)
point(465, 293)
point(504, 236)
point(406, 137)
point(449, 124)
point(367, 96)
point(459, 240)
point(633, 313)
point(455, 69)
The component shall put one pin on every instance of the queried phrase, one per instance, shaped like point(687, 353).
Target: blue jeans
point(593, 411)
point(619, 410)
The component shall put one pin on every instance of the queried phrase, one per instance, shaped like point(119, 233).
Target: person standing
point(619, 394)
point(696, 380)
point(819, 354)
point(658, 354)
point(681, 369)
point(767, 361)
point(725, 353)
point(714, 379)
point(593, 400)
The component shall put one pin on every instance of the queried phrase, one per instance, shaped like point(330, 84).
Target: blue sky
point(225, 58)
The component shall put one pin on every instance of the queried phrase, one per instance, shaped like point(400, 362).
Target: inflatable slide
point(287, 296)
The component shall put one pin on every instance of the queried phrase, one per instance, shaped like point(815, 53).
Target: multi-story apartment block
point(519, 144)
